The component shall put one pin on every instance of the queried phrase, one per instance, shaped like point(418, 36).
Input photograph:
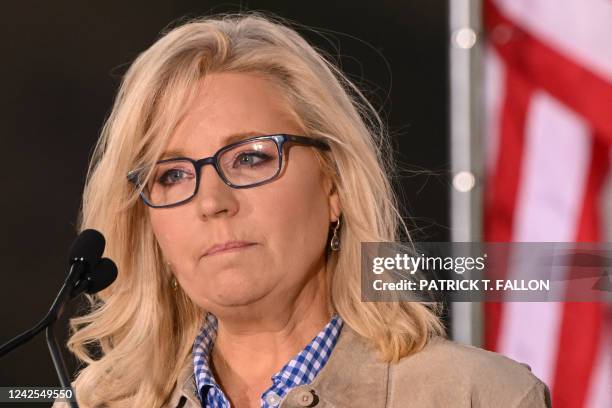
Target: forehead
point(229, 107)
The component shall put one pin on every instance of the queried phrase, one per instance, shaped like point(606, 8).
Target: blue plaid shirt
point(302, 369)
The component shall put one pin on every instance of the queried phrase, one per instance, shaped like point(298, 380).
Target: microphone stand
point(47, 322)
point(58, 362)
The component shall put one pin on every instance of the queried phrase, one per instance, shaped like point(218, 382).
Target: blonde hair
point(143, 330)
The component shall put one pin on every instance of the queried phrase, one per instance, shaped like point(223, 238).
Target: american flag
point(548, 127)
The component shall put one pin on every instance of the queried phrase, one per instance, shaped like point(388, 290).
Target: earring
point(335, 241)
point(173, 282)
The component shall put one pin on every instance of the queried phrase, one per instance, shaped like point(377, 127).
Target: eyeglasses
point(244, 164)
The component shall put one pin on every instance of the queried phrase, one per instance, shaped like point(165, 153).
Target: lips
point(227, 246)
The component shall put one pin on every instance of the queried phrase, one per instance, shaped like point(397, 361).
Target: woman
point(254, 171)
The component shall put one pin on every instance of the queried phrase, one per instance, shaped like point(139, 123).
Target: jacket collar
point(185, 394)
point(353, 365)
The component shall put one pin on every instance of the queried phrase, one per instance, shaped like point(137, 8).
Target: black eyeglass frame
point(279, 139)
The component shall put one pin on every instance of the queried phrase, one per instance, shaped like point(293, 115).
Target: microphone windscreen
point(89, 245)
point(101, 278)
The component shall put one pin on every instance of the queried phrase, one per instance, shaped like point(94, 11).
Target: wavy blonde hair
point(144, 331)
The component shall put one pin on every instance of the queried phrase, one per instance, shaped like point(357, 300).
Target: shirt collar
point(301, 369)
point(201, 352)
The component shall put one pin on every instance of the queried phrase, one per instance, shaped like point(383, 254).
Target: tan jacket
point(443, 374)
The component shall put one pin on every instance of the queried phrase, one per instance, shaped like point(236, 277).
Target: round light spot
point(465, 38)
point(464, 181)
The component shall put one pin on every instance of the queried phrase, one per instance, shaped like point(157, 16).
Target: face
point(285, 221)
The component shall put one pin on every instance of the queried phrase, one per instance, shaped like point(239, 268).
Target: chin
point(220, 303)
point(232, 291)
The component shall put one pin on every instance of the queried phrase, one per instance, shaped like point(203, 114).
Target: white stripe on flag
point(554, 170)
point(556, 158)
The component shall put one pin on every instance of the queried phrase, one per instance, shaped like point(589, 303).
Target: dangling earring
point(173, 282)
point(335, 241)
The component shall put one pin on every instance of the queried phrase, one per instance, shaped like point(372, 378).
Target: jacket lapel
point(185, 394)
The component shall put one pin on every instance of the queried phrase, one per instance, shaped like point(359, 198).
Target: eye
point(173, 176)
point(250, 159)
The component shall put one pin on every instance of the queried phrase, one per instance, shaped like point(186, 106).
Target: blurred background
point(500, 113)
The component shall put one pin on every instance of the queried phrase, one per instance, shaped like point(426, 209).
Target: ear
point(335, 208)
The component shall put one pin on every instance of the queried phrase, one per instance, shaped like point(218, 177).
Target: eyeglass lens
point(243, 165)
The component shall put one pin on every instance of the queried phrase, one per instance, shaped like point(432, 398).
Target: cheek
point(170, 232)
point(301, 215)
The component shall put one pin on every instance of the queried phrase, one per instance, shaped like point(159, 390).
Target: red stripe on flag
point(574, 85)
point(581, 325)
point(502, 187)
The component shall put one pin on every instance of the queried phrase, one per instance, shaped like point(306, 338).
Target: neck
point(246, 355)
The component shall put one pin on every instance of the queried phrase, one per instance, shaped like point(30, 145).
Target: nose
point(214, 197)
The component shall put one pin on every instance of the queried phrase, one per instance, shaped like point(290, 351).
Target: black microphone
point(88, 273)
point(84, 255)
point(100, 278)
point(87, 247)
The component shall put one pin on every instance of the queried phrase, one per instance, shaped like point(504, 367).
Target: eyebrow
point(234, 137)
